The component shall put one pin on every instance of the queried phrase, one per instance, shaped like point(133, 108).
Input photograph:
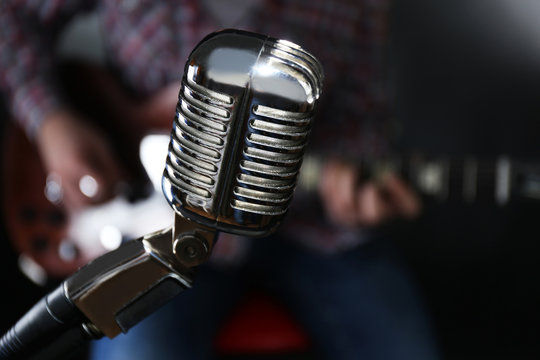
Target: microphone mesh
point(271, 159)
point(242, 122)
point(201, 123)
point(276, 139)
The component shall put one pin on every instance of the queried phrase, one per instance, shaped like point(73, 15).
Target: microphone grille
point(276, 137)
point(197, 141)
point(242, 122)
point(271, 159)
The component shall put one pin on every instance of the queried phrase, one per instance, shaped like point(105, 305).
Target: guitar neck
point(469, 180)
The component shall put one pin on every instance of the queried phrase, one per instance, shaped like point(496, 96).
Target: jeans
point(359, 304)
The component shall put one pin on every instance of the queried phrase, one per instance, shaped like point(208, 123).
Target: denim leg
point(182, 329)
point(360, 304)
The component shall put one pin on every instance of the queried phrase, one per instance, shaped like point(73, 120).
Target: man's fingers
point(401, 197)
point(337, 188)
point(73, 198)
point(102, 174)
point(372, 207)
point(368, 204)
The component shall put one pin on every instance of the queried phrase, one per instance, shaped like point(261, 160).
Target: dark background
point(467, 82)
point(467, 77)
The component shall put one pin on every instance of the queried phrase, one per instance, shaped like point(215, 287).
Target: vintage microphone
point(242, 122)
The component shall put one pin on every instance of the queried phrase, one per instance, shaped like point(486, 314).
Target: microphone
point(242, 122)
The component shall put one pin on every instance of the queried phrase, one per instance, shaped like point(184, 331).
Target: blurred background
point(468, 85)
point(466, 80)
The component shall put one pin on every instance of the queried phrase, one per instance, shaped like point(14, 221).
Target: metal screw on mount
point(190, 249)
point(91, 330)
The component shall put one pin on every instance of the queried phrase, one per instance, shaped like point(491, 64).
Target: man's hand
point(156, 113)
point(73, 151)
point(351, 203)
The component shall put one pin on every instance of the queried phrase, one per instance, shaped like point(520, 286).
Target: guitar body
point(43, 231)
point(36, 227)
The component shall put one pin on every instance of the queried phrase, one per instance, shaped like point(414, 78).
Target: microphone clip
point(119, 289)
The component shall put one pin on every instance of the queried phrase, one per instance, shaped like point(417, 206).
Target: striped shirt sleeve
point(27, 31)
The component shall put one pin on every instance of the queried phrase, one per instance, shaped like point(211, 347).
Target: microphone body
point(243, 117)
point(242, 121)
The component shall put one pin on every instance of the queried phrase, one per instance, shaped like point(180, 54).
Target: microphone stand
point(112, 293)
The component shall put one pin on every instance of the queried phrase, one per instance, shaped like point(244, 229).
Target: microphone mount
point(120, 288)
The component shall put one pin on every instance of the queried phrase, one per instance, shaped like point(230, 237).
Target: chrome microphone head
point(242, 121)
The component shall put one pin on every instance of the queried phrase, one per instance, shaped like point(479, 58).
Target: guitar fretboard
point(469, 179)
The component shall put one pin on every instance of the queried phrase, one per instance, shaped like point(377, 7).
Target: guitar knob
point(39, 243)
point(28, 214)
point(56, 217)
point(53, 189)
point(67, 250)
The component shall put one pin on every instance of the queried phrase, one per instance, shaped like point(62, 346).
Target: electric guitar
point(53, 243)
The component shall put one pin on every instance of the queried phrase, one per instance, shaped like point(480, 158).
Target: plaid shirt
point(149, 40)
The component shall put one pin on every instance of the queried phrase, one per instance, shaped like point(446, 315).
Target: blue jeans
point(359, 304)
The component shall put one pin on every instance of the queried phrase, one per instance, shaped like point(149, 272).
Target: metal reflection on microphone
point(242, 122)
